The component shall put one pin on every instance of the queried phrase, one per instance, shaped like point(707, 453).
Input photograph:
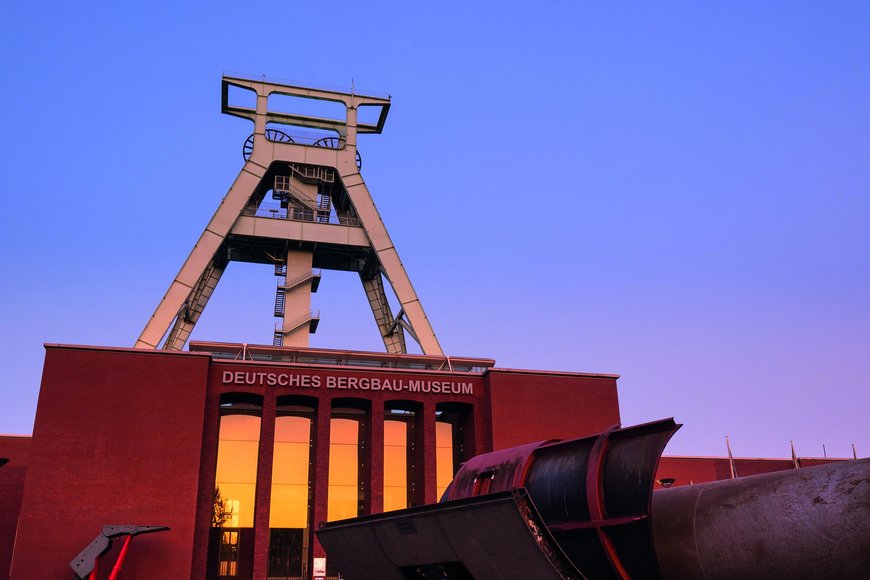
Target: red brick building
point(17, 451)
point(289, 437)
point(677, 471)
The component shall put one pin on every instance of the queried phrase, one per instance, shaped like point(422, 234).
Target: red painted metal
point(86, 564)
point(116, 569)
point(573, 482)
point(595, 500)
point(506, 468)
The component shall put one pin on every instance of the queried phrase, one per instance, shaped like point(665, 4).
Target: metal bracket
point(86, 563)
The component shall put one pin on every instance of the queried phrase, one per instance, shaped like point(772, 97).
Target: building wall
point(531, 406)
point(692, 470)
point(17, 451)
point(126, 436)
point(117, 440)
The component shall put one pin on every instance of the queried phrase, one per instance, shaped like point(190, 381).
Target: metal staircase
point(281, 291)
point(311, 318)
point(279, 302)
point(285, 192)
point(324, 205)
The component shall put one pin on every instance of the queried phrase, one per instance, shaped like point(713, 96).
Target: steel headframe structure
point(321, 216)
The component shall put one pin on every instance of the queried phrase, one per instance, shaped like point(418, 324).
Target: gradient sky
point(675, 192)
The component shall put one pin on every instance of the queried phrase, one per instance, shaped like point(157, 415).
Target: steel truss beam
point(238, 223)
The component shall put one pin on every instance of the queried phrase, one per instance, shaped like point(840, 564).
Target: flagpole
point(731, 459)
point(794, 459)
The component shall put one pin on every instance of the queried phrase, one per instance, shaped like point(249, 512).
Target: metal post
point(116, 569)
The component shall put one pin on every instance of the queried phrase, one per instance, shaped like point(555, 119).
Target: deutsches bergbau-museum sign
point(363, 383)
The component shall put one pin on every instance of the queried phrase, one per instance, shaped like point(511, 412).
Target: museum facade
point(242, 451)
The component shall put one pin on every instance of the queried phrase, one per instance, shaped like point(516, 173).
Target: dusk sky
point(675, 192)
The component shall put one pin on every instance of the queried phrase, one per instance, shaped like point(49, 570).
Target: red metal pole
point(116, 569)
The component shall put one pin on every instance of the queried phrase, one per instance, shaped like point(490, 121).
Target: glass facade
point(292, 462)
point(345, 495)
point(236, 477)
point(235, 486)
point(400, 481)
point(395, 465)
point(454, 437)
point(290, 504)
point(443, 456)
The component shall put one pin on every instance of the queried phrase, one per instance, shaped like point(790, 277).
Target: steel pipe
point(801, 523)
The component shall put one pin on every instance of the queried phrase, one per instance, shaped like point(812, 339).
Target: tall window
point(443, 455)
point(235, 484)
point(399, 458)
point(345, 493)
point(291, 491)
point(454, 440)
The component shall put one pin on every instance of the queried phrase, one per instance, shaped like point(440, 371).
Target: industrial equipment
point(585, 508)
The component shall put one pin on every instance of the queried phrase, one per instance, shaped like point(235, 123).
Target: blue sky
point(675, 192)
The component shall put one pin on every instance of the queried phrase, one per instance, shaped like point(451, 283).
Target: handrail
point(324, 174)
point(274, 211)
point(296, 322)
point(293, 192)
point(303, 277)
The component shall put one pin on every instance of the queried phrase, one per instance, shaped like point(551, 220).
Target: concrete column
point(320, 483)
point(297, 300)
point(482, 439)
point(207, 469)
point(263, 497)
point(375, 458)
point(426, 453)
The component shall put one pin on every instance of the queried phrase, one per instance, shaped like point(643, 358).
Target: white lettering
point(365, 383)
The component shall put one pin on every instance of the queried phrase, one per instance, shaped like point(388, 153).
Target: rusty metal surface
point(506, 466)
point(497, 536)
point(595, 495)
point(802, 523)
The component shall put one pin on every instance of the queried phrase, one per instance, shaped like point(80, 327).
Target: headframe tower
point(321, 216)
